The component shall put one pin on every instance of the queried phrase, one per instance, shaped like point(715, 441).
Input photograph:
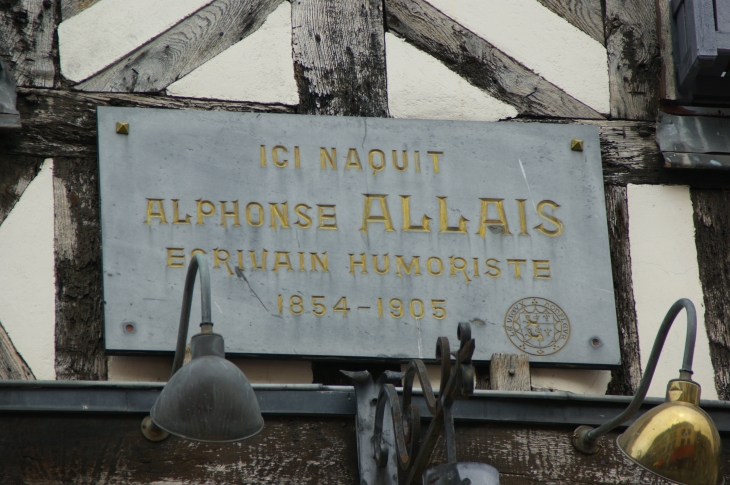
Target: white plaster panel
point(258, 68)
point(664, 269)
point(109, 29)
point(420, 86)
point(157, 369)
point(577, 381)
point(27, 275)
point(542, 41)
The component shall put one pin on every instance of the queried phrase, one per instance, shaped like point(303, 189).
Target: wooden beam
point(184, 47)
point(625, 379)
point(12, 364)
point(84, 448)
point(586, 15)
point(509, 372)
point(79, 317)
point(633, 59)
point(480, 63)
point(712, 238)
point(27, 29)
point(69, 8)
point(339, 57)
point(16, 173)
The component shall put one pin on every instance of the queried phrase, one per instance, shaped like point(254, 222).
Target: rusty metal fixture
point(676, 440)
point(209, 399)
point(413, 453)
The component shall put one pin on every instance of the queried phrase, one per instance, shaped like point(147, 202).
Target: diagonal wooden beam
point(480, 63)
point(12, 364)
point(586, 15)
point(182, 48)
point(69, 8)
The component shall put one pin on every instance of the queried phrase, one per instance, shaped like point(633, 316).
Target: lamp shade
point(209, 399)
point(676, 440)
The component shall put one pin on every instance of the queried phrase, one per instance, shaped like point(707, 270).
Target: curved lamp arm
point(585, 437)
point(198, 264)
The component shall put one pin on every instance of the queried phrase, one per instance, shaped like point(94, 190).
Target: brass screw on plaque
point(575, 145)
point(122, 128)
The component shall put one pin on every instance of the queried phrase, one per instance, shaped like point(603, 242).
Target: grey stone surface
point(192, 156)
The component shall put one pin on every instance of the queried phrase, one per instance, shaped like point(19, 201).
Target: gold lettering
point(517, 263)
point(414, 267)
point(173, 257)
point(297, 158)
point(523, 217)
point(298, 211)
point(279, 261)
point(325, 157)
point(550, 218)
point(371, 161)
point(541, 269)
point(353, 160)
point(435, 159)
point(484, 220)
point(454, 268)
point(275, 156)
point(417, 161)
point(234, 213)
point(282, 214)
point(476, 267)
point(439, 265)
point(196, 251)
point(362, 263)
point(323, 263)
point(260, 219)
point(262, 151)
point(326, 221)
point(406, 210)
point(444, 219)
point(240, 259)
point(176, 214)
point(368, 218)
point(202, 204)
point(217, 259)
point(301, 262)
point(405, 160)
point(256, 266)
point(387, 264)
point(494, 271)
point(151, 212)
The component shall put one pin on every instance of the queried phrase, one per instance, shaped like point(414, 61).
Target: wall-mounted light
point(676, 440)
point(209, 399)
point(378, 461)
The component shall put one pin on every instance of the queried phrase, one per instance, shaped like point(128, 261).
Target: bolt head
point(122, 128)
point(576, 145)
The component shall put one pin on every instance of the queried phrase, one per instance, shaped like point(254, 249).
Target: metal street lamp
point(209, 399)
point(676, 440)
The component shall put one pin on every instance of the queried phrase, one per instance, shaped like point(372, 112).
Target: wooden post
point(27, 29)
point(12, 365)
point(509, 372)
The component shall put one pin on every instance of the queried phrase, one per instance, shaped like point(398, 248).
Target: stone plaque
point(341, 237)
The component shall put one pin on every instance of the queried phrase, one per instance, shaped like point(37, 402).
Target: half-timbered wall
point(590, 61)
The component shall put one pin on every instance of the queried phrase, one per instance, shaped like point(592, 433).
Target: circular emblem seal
point(537, 326)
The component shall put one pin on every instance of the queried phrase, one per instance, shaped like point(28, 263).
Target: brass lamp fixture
point(209, 399)
point(676, 440)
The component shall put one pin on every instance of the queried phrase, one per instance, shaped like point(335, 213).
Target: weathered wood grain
point(27, 28)
point(712, 239)
point(12, 364)
point(184, 47)
point(79, 319)
point(16, 173)
point(339, 57)
point(633, 59)
point(587, 15)
point(668, 79)
point(109, 449)
point(625, 379)
point(509, 372)
point(69, 8)
point(479, 62)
